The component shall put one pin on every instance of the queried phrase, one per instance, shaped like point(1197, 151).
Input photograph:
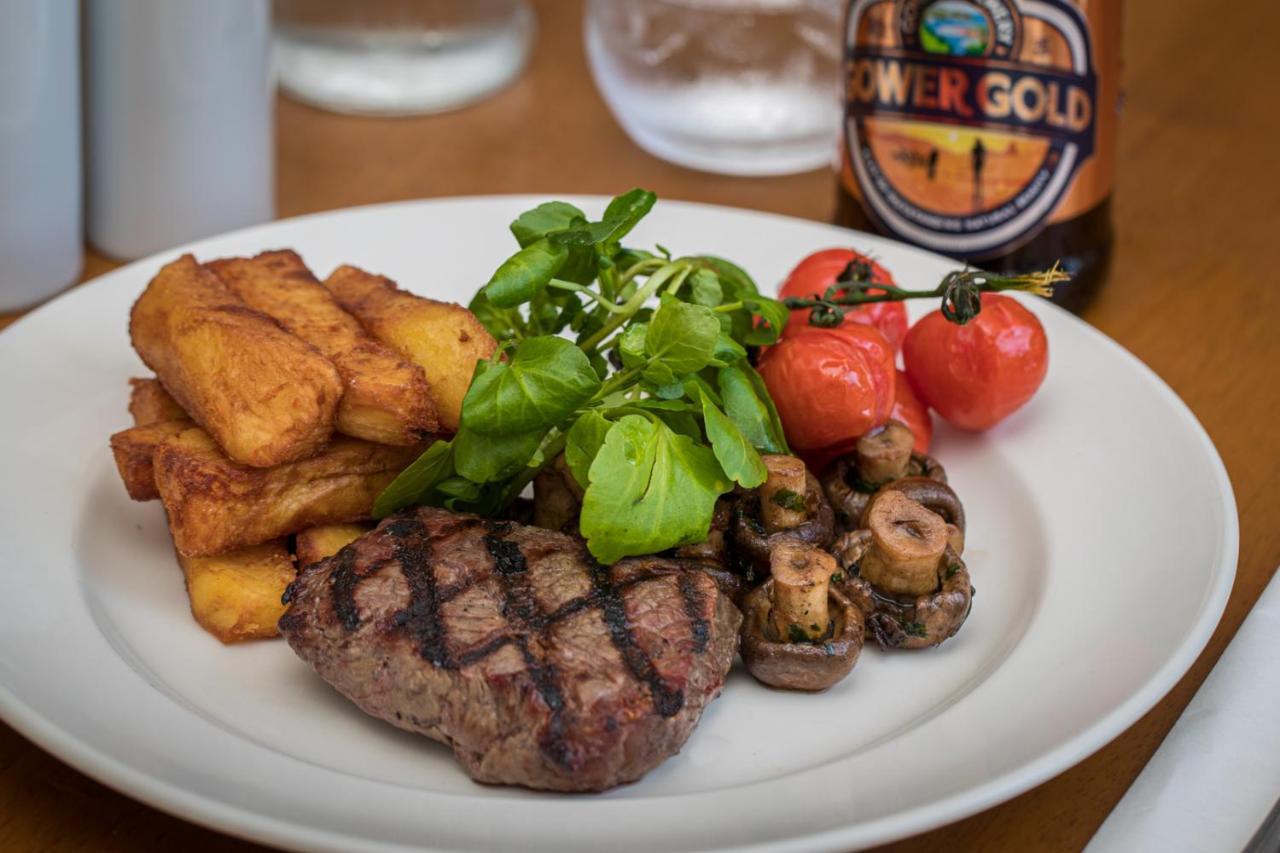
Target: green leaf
point(454, 489)
point(736, 455)
point(674, 390)
point(485, 458)
point(704, 288)
point(546, 379)
point(654, 404)
point(628, 257)
point(695, 385)
point(733, 279)
point(525, 274)
point(658, 375)
point(773, 312)
point(499, 321)
point(416, 482)
point(625, 211)
point(776, 433)
point(583, 443)
point(533, 225)
point(684, 424)
point(462, 495)
point(650, 489)
point(681, 338)
point(755, 417)
point(631, 345)
point(727, 352)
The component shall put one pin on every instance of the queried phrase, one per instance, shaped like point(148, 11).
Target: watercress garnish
point(632, 363)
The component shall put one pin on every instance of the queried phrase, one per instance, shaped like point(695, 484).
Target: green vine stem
point(960, 291)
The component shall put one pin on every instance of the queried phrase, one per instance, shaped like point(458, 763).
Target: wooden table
point(1192, 293)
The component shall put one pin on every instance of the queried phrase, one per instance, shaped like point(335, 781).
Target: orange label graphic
point(970, 124)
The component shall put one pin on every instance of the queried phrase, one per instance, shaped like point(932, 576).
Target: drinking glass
point(740, 87)
point(399, 57)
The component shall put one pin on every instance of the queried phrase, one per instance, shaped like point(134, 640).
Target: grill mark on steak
point(693, 609)
point(482, 651)
point(613, 611)
point(412, 548)
point(524, 617)
point(344, 580)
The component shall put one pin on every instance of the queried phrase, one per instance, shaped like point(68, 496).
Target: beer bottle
point(985, 130)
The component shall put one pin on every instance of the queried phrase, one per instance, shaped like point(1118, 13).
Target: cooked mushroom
point(935, 496)
point(880, 457)
point(750, 536)
point(712, 554)
point(557, 497)
point(902, 572)
point(782, 493)
point(713, 549)
point(799, 632)
point(908, 541)
point(883, 453)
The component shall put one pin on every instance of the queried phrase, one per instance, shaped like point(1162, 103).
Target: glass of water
point(399, 57)
point(740, 87)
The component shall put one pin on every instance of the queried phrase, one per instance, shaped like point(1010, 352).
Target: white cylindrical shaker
point(41, 234)
point(179, 113)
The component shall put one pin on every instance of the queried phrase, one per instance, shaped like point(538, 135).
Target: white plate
point(1102, 543)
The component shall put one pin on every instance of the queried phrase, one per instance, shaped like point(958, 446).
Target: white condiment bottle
point(179, 116)
point(41, 236)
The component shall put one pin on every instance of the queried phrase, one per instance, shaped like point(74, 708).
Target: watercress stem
point(604, 303)
point(655, 282)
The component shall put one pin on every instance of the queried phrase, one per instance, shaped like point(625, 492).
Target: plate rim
point(220, 816)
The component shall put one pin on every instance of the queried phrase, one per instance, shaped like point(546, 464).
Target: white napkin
point(1217, 775)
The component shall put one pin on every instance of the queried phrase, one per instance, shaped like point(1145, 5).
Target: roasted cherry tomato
point(813, 275)
point(977, 374)
point(830, 385)
point(906, 408)
point(915, 414)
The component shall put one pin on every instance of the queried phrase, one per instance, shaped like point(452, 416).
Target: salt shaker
point(179, 115)
point(40, 180)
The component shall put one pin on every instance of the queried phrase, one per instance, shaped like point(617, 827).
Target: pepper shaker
point(41, 241)
point(179, 115)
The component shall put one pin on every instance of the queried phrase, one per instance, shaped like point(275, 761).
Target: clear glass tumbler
point(740, 87)
point(400, 57)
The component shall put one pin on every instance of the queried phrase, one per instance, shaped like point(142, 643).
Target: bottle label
point(969, 124)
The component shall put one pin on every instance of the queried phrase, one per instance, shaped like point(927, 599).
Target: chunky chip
point(150, 403)
point(444, 339)
point(316, 543)
point(133, 450)
point(216, 504)
point(264, 395)
point(236, 596)
point(386, 398)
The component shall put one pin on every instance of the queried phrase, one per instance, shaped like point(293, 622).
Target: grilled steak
point(512, 645)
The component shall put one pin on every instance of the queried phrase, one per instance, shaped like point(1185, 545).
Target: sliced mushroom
point(752, 542)
point(913, 593)
point(799, 632)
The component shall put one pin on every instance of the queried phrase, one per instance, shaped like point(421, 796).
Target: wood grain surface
point(1193, 292)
